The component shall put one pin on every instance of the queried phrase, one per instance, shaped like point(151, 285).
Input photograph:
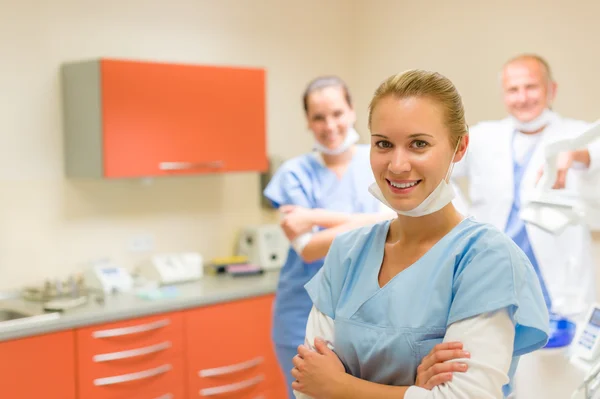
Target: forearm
point(351, 387)
point(320, 242)
point(582, 157)
point(328, 219)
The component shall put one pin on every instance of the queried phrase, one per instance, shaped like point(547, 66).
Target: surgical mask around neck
point(441, 196)
point(536, 124)
point(351, 138)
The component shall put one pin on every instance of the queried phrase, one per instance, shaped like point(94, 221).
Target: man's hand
point(565, 162)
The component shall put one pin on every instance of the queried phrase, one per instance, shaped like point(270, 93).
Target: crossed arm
point(298, 223)
point(488, 337)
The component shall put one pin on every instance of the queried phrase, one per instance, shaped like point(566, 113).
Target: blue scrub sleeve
point(288, 188)
point(498, 276)
point(320, 289)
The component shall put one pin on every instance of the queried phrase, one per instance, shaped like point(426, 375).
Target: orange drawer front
point(147, 334)
point(248, 379)
point(156, 379)
point(121, 358)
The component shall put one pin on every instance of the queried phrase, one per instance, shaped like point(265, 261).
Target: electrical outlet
point(141, 243)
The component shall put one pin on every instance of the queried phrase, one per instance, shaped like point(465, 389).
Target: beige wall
point(469, 40)
point(49, 226)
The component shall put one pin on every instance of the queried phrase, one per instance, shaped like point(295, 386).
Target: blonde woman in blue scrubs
point(326, 188)
point(389, 292)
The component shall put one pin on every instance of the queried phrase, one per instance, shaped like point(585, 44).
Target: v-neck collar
point(378, 251)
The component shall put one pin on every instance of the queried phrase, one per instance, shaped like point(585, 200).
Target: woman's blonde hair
point(426, 84)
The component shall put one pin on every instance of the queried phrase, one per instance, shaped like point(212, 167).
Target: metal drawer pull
point(140, 375)
point(231, 369)
point(238, 386)
point(107, 357)
point(190, 165)
point(166, 396)
point(119, 332)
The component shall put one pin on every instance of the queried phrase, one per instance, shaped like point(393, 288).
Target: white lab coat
point(489, 169)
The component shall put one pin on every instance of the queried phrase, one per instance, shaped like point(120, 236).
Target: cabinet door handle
point(238, 386)
point(140, 375)
point(232, 368)
point(166, 396)
point(107, 357)
point(119, 332)
point(191, 165)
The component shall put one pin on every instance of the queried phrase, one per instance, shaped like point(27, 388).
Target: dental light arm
point(553, 210)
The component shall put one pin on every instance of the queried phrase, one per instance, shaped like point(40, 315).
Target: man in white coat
point(504, 161)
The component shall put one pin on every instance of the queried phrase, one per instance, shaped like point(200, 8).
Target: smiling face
point(527, 88)
point(412, 148)
point(329, 116)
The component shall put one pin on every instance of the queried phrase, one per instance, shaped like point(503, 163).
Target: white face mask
point(352, 138)
point(534, 125)
point(439, 198)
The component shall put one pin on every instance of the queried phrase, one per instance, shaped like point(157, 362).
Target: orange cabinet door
point(38, 367)
point(161, 119)
point(139, 119)
point(229, 350)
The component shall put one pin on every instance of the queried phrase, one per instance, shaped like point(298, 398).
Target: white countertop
point(209, 290)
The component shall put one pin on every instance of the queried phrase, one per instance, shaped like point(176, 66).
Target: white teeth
point(403, 185)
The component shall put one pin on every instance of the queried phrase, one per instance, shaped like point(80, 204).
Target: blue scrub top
point(383, 333)
point(307, 182)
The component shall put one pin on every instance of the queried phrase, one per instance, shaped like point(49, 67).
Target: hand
point(563, 164)
point(435, 368)
point(296, 220)
point(317, 374)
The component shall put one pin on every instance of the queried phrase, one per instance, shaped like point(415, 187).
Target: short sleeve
point(319, 288)
point(496, 274)
point(289, 186)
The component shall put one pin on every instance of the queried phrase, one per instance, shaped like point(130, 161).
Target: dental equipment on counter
point(554, 209)
point(265, 246)
point(172, 268)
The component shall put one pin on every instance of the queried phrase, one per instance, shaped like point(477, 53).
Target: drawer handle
point(140, 375)
point(238, 386)
point(231, 369)
point(166, 396)
point(107, 357)
point(119, 332)
point(190, 165)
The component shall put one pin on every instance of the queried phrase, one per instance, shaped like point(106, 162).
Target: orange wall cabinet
point(229, 351)
point(127, 119)
point(38, 367)
point(137, 358)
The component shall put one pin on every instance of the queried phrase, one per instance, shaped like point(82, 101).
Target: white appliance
point(587, 341)
point(264, 245)
point(104, 275)
point(554, 210)
point(173, 268)
point(585, 354)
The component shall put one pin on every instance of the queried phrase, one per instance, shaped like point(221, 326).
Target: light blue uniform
point(307, 182)
point(382, 334)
